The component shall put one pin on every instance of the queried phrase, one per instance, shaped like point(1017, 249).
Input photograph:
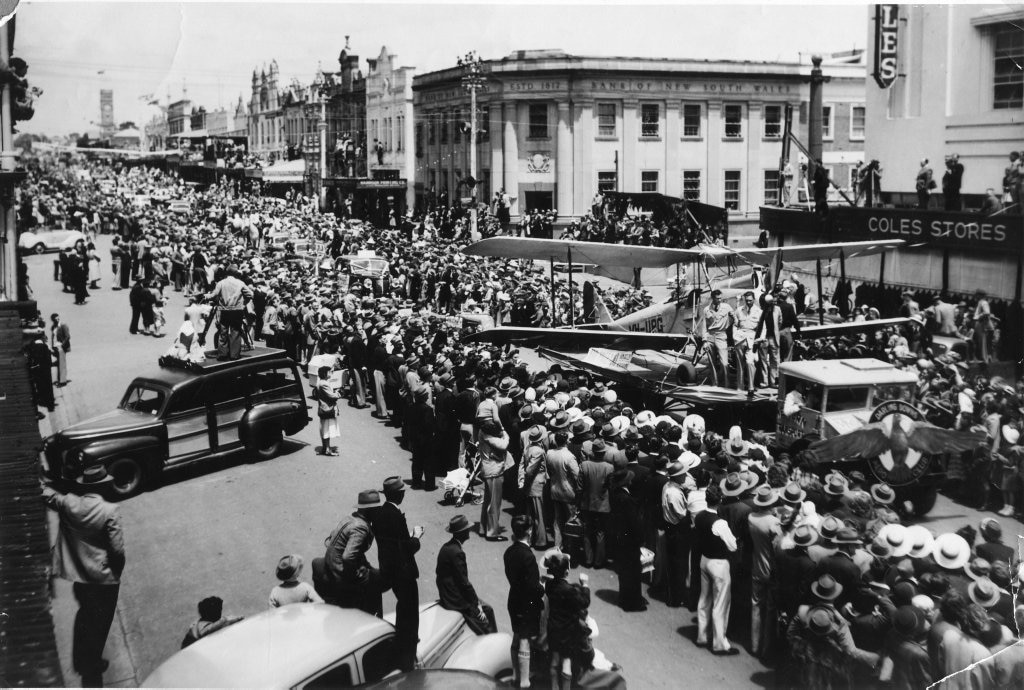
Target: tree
point(126, 125)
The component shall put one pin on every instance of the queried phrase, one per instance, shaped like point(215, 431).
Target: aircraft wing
point(597, 253)
point(798, 252)
point(830, 329)
point(580, 340)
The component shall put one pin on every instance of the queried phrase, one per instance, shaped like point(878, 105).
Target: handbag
point(932, 184)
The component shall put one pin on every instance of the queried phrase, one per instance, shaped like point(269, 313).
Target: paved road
point(220, 530)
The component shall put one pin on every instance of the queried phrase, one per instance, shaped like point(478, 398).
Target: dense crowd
point(819, 573)
point(615, 224)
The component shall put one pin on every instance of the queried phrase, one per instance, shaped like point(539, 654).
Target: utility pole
point(323, 146)
point(471, 81)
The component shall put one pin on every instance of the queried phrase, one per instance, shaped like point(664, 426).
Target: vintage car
point(183, 413)
point(843, 395)
point(43, 240)
point(325, 646)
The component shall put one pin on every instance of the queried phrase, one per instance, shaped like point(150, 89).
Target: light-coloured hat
point(895, 535)
point(693, 424)
point(984, 593)
point(1011, 434)
point(736, 444)
point(645, 418)
point(951, 551)
point(920, 540)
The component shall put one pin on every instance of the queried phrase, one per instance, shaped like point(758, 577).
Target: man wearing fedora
point(422, 427)
point(396, 550)
point(89, 552)
point(841, 565)
point(563, 479)
point(344, 575)
point(525, 596)
point(764, 528)
point(593, 491)
point(454, 589)
point(678, 531)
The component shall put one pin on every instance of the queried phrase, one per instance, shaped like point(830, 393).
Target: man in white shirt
point(747, 317)
point(678, 533)
point(717, 325)
point(716, 543)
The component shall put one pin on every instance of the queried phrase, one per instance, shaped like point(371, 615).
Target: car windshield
point(843, 399)
point(144, 399)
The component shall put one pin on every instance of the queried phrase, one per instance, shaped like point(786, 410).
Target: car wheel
point(40, 248)
point(268, 442)
point(128, 476)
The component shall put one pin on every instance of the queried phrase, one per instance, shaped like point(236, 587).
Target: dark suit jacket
point(396, 550)
point(525, 593)
point(453, 586)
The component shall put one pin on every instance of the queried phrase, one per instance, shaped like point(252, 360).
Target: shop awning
point(288, 172)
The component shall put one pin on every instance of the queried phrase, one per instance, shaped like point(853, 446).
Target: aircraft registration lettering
point(651, 325)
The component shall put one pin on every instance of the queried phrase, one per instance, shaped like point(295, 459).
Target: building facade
point(266, 135)
point(555, 128)
point(955, 85)
point(390, 120)
point(179, 118)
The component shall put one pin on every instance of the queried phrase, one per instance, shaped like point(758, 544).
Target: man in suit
point(61, 340)
point(593, 492)
point(768, 331)
point(423, 439)
point(447, 422)
point(396, 549)
point(525, 596)
point(454, 589)
point(89, 553)
point(344, 575)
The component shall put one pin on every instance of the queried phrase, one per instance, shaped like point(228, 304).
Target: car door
point(378, 659)
point(341, 674)
point(228, 400)
point(188, 431)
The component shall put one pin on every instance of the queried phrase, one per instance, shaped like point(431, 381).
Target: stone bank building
point(554, 128)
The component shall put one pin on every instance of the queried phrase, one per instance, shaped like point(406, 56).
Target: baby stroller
point(458, 483)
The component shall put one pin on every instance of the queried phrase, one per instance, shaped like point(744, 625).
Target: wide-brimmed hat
point(525, 412)
point(535, 434)
point(793, 493)
point(907, 621)
point(560, 420)
point(736, 445)
point(805, 535)
point(984, 593)
point(847, 535)
point(883, 494)
point(836, 485)
point(920, 540)
point(820, 621)
point(829, 527)
point(826, 588)
point(369, 498)
point(94, 476)
point(951, 551)
point(688, 458)
point(1011, 434)
point(459, 523)
point(765, 497)
point(733, 484)
point(506, 384)
point(575, 414)
point(676, 469)
point(978, 569)
point(879, 548)
point(289, 567)
point(393, 484)
point(644, 418)
point(895, 535)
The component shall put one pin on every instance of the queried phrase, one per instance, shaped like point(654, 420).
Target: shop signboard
point(887, 29)
point(952, 230)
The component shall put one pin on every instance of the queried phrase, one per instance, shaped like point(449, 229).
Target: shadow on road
point(174, 475)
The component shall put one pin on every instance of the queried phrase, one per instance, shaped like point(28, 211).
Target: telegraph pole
point(471, 81)
point(323, 146)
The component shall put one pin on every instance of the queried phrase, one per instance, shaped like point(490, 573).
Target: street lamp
point(472, 80)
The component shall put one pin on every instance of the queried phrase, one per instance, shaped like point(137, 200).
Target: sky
point(75, 49)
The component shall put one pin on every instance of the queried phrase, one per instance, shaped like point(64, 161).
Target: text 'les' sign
point(887, 24)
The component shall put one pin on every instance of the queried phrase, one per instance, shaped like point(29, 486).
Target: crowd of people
point(819, 574)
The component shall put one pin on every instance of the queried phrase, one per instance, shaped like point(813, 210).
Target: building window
point(419, 140)
point(732, 190)
point(1008, 79)
point(431, 130)
point(858, 115)
point(648, 180)
point(444, 182)
point(691, 185)
point(649, 116)
point(771, 187)
point(606, 119)
point(734, 122)
point(444, 127)
point(433, 181)
point(538, 121)
point(691, 120)
point(827, 121)
point(607, 181)
point(772, 121)
point(400, 133)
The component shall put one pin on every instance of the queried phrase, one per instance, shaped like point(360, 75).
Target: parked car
point(184, 413)
point(43, 241)
point(325, 646)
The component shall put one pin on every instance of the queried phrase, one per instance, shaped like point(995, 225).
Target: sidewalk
point(122, 672)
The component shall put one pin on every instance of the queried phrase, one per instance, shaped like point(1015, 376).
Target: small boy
point(291, 591)
point(211, 619)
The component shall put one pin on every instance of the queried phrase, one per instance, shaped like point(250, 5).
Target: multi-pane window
point(606, 119)
point(691, 120)
point(731, 190)
point(733, 121)
point(431, 130)
point(419, 139)
point(607, 180)
point(691, 185)
point(858, 115)
point(1008, 77)
point(649, 115)
point(444, 127)
point(771, 187)
point(772, 121)
point(538, 120)
point(648, 180)
point(826, 122)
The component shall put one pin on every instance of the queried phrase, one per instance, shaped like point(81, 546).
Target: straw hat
point(826, 588)
point(921, 541)
point(883, 494)
point(951, 551)
point(765, 497)
point(805, 535)
point(978, 569)
point(733, 484)
point(984, 593)
point(895, 535)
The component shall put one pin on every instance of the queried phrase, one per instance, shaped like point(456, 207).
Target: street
point(220, 530)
